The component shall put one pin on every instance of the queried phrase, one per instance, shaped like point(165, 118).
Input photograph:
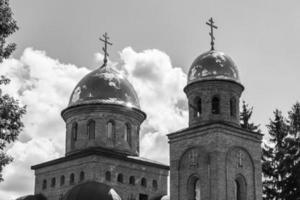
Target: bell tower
point(214, 158)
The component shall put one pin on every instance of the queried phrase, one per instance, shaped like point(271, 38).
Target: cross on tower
point(211, 33)
point(106, 42)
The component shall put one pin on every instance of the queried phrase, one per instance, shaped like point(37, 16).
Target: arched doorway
point(194, 188)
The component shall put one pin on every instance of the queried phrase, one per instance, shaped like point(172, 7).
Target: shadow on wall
point(34, 197)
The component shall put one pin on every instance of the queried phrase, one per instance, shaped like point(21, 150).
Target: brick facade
point(214, 150)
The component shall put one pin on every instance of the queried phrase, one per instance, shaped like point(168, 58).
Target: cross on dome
point(211, 33)
point(106, 42)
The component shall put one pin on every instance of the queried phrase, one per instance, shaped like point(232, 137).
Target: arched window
point(72, 179)
point(154, 184)
point(198, 107)
point(233, 107)
point(44, 184)
point(127, 134)
point(197, 194)
point(91, 129)
point(62, 180)
point(120, 178)
point(240, 190)
point(215, 105)
point(111, 129)
point(144, 182)
point(107, 176)
point(74, 131)
point(194, 188)
point(131, 180)
point(53, 182)
point(81, 176)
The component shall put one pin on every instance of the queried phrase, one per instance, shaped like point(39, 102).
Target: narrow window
point(120, 178)
point(110, 130)
point(62, 180)
point(107, 176)
point(232, 107)
point(197, 107)
point(194, 188)
point(53, 181)
point(197, 194)
point(72, 179)
point(215, 105)
point(74, 131)
point(127, 135)
point(144, 182)
point(138, 140)
point(240, 190)
point(91, 129)
point(44, 184)
point(154, 184)
point(132, 180)
point(81, 176)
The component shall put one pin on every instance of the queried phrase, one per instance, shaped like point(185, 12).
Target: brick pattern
point(102, 114)
point(206, 90)
point(214, 149)
point(94, 168)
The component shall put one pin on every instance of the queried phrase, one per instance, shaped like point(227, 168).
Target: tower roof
point(213, 65)
point(104, 85)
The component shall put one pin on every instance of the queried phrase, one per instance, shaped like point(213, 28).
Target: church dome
point(213, 65)
point(92, 190)
point(104, 85)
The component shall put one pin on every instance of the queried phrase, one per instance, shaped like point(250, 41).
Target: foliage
point(245, 117)
point(7, 27)
point(292, 185)
point(10, 110)
point(273, 158)
point(281, 157)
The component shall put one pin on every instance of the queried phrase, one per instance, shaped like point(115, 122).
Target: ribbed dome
point(213, 65)
point(92, 190)
point(104, 85)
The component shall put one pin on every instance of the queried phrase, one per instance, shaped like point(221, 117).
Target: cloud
point(44, 84)
point(160, 89)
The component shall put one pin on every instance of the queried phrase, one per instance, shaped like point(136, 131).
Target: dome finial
point(106, 42)
point(211, 33)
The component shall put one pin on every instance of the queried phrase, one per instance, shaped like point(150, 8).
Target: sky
point(58, 44)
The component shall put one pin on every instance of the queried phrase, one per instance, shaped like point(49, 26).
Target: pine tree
point(245, 116)
point(292, 185)
point(274, 159)
point(10, 110)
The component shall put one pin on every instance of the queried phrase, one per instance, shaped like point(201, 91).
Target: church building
point(212, 159)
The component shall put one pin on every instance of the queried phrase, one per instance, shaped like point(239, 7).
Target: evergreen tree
point(274, 159)
point(292, 185)
point(245, 116)
point(10, 110)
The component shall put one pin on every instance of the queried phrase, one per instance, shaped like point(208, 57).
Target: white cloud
point(45, 84)
point(160, 89)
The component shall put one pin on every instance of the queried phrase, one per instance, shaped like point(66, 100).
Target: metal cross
point(211, 33)
point(240, 158)
point(106, 42)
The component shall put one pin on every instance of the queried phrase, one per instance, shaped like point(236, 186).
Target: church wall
point(95, 168)
point(217, 182)
point(224, 90)
point(82, 117)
